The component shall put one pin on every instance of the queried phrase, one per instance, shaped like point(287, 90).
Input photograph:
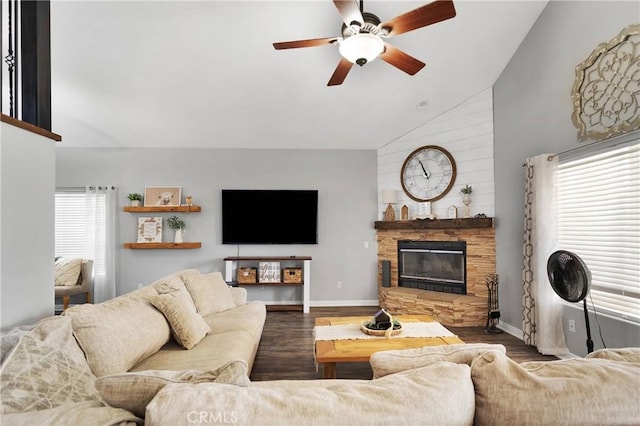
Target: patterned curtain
point(541, 307)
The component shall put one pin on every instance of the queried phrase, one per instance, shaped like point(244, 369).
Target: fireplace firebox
point(433, 265)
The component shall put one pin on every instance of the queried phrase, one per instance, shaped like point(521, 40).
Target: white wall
point(345, 179)
point(26, 226)
point(532, 114)
point(466, 131)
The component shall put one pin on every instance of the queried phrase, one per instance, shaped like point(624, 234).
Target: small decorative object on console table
point(135, 199)
point(269, 272)
point(466, 199)
point(390, 197)
point(178, 226)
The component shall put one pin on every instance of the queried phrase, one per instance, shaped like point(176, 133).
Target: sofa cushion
point(210, 292)
point(38, 375)
point(134, 391)
point(249, 317)
point(187, 326)
point(617, 354)
point(568, 392)
point(117, 334)
point(441, 393)
point(76, 413)
point(387, 362)
point(67, 271)
point(214, 351)
point(239, 295)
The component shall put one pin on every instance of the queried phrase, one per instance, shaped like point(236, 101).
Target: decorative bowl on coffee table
point(373, 329)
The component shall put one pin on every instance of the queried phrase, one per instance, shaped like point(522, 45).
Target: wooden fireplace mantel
point(463, 223)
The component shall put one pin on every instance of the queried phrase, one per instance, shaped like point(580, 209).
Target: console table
point(232, 263)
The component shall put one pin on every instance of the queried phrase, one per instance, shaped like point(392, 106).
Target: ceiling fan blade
point(304, 43)
point(401, 60)
point(349, 11)
point(340, 73)
point(428, 14)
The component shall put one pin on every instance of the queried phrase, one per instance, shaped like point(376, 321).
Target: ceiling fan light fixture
point(361, 48)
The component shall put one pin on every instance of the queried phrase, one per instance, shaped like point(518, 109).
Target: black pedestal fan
point(571, 280)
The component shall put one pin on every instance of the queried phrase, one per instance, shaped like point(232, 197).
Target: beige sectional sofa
point(177, 327)
point(52, 373)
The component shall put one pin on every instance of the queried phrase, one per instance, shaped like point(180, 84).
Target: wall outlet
point(339, 284)
point(139, 285)
point(366, 244)
point(572, 326)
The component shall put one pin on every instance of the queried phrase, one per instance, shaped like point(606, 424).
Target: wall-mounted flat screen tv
point(260, 216)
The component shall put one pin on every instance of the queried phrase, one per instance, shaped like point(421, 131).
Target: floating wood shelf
point(162, 245)
point(472, 222)
point(150, 209)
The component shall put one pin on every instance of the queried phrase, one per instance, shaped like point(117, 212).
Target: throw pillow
point(187, 326)
point(174, 287)
point(134, 391)
point(440, 394)
point(387, 362)
point(117, 334)
point(38, 375)
point(210, 293)
point(568, 392)
point(67, 271)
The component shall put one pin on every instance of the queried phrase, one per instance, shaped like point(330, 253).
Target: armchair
point(83, 286)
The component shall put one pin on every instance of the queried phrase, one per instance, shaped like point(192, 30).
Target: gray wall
point(26, 221)
point(345, 179)
point(532, 115)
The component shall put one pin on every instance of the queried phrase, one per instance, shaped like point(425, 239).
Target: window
point(75, 228)
point(599, 220)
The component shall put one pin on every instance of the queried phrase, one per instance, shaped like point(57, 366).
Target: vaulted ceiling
point(204, 74)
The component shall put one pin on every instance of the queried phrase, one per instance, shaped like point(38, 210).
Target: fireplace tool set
point(493, 313)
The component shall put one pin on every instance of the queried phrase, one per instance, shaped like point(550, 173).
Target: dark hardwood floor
point(286, 347)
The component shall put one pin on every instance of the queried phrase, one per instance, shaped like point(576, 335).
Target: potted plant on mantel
point(135, 199)
point(466, 199)
point(178, 226)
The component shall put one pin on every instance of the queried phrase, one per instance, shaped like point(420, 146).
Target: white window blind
point(75, 227)
point(599, 220)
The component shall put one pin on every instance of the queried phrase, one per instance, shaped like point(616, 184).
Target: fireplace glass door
point(432, 265)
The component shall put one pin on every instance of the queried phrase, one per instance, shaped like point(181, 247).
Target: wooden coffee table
point(330, 352)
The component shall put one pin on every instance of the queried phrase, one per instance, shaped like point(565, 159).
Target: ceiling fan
point(363, 35)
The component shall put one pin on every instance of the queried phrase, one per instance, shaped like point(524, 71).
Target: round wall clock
point(428, 173)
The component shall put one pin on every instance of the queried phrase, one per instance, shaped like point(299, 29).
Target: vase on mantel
point(178, 236)
point(466, 200)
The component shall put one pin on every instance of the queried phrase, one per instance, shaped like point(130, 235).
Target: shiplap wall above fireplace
point(466, 131)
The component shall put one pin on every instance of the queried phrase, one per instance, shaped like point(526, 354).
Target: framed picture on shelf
point(162, 195)
point(150, 229)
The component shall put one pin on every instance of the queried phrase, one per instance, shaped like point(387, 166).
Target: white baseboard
point(508, 328)
point(340, 303)
point(516, 332)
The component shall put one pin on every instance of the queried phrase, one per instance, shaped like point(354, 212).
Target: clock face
point(428, 173)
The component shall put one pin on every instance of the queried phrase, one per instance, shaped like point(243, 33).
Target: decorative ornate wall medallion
point(606, 92)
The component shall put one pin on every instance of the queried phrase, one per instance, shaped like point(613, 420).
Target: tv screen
point(251, 216)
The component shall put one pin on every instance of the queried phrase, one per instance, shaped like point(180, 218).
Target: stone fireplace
point(454, 307)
